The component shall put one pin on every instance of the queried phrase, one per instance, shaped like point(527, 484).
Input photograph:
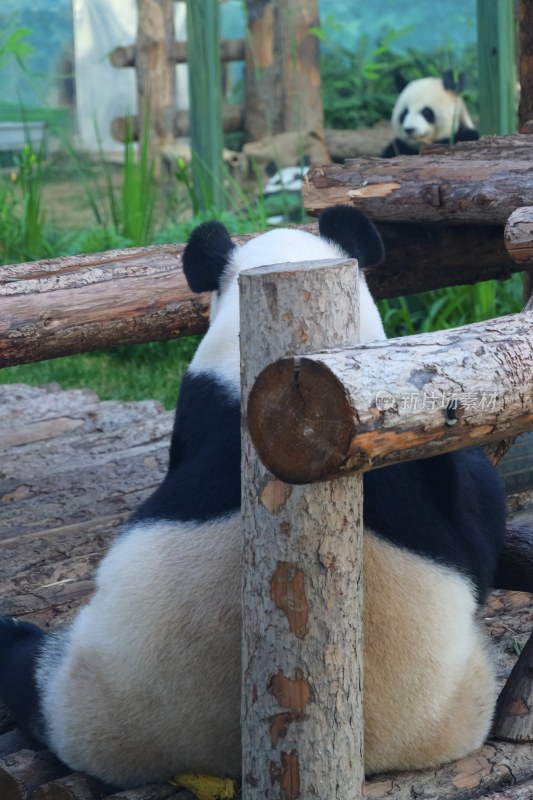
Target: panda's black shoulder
point(203, 480)
point(449, 508)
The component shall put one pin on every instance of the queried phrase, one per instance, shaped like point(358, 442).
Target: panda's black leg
point(20, 644)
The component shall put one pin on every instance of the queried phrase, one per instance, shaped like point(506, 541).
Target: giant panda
point(427, 111)
point(146, 680)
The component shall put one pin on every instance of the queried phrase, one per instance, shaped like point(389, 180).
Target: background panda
point(429, 110)
point(146, 680)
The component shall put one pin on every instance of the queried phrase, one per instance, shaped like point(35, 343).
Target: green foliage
point(23, 237)
point(451, 307)
point(133, 372)
point(13, 42)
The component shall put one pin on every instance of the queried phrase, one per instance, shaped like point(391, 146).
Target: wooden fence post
point(156, 73)
point(302, 630)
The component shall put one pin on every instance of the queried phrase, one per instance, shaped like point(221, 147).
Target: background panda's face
point(426, 112)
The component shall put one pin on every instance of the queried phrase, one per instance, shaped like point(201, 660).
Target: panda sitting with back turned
point(429, 111)
point(145, 682)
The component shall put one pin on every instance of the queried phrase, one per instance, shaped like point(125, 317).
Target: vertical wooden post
point(156, 73)
point(282, 70)
point(525, 111)
point(302, 565)
point(525, 60)
point(205, 97)
point(496, 33)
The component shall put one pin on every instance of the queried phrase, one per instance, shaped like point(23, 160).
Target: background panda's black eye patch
point(428, 114)
point(403, 115)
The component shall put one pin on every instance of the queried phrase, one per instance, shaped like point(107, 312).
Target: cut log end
point(313, 441)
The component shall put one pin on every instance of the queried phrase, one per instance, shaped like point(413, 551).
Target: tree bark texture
point(282, 73)
point(74, 304)
point(318, 416)
point(519, 235)
point(78, 303)
point(525, 60)
point(302, 632)
point(156, 73)
point(514, 710)
point(25, 770)
point(428, 189)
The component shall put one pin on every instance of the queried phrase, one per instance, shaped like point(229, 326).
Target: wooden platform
point(72, 468)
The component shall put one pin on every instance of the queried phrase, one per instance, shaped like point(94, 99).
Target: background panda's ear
point(353, 232)
point(400, 82)
point(453, 81)
point(206, 256)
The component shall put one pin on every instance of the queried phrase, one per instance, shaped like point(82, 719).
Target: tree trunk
point(282, 73)
point(525, 60)
point(319, 416)
point(431, 188)
point(302, 632)
point(156, 73)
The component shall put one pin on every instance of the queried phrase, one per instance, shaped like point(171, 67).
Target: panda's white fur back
point(160, 692)
point(150, 678)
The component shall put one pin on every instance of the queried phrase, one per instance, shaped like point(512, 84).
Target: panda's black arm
point(515, 565)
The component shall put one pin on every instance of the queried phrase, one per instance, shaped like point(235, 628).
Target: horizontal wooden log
point(519, 235)
point(25, 770)
point(230, 50)
point(77, 303)
point(74, 304)
point(76, 786)
point(423, 257)
point(317, 417)
point(495, 767)
point(124, 127)
point(428, 189)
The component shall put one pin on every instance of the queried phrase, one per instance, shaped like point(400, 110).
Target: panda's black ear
point(353, 232)
point(206, 256)
point(453, 81)
point(400, 82)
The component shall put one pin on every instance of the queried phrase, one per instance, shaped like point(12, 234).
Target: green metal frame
point(205, 92)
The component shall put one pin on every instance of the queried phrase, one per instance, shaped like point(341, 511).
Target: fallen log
point(513, 721)
point(434, 188)
point(80, 303)
point(519, 235)
point(76, 786)
point(124, 128)
point(25, 770)
point(324, 415)
point(230, 50)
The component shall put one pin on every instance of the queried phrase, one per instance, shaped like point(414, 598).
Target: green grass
point(133, 372)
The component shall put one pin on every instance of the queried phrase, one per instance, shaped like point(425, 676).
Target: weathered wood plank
point(323, 415)
point(434, 189)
